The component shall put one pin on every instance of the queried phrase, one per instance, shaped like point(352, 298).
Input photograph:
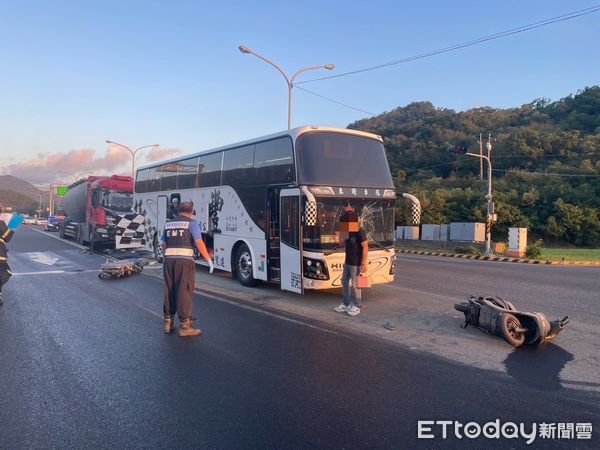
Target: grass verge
point(571, 254)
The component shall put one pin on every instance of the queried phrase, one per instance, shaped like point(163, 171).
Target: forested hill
point(545, 159)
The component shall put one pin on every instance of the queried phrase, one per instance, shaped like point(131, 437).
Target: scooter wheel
point(509, 325)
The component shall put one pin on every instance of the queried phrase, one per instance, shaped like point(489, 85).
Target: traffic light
point(458, 150)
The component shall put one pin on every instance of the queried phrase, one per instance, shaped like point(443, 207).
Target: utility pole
point(480, 157)
point(51, 201)
point(489, 197)
point(289, 81)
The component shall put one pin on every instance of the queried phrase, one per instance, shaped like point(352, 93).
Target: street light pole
point(490, 203)
point(289, 81)
point(133, 152)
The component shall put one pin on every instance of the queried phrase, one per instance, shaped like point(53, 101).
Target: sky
point(76, 73)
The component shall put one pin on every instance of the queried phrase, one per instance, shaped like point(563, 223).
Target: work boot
point(168, 324)
point(186, 329)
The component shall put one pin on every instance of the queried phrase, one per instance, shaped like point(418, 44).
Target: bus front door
point(161, 214)
point(290, 240)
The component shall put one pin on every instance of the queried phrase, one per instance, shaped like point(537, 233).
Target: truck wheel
point(158, 254)
point(243, 267)
point(511, 327)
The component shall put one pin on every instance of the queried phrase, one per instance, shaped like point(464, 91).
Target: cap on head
point(186, 207)
point(174, 200)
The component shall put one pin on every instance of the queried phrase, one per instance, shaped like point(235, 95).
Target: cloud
point(63, 167)
point(159, 154)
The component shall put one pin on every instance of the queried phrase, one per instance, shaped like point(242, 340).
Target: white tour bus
point(268, 207)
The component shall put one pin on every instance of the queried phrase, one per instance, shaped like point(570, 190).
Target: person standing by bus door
point(179, 269)
point(173, 209)
point(357, 251)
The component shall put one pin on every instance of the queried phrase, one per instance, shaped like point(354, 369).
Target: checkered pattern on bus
point(311, 214)
point(132, 223)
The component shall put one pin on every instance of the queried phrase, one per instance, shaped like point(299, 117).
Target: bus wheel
point(243, 266)
point(158, 254)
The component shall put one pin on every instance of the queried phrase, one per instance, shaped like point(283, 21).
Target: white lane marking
point(258, 310)
point(42, 258)
point(268, 313)
point(74, 244)
point(582, 386)
point(400, 258)
point(154, 313)
point(53, 272)
point(206, 342)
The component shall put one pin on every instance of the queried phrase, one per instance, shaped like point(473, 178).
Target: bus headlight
point(315, 269)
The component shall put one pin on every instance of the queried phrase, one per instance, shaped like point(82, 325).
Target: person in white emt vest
point(179, 269)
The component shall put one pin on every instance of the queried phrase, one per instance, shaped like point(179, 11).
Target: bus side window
point(140, 181)
point(153, 183)
point(273, 162)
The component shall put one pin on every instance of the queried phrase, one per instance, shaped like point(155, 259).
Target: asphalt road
point(84, 364)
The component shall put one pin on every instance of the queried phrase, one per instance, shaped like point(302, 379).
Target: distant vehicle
point(93, 207)
point(51, 224)
point(29, 221)
point(41, 221)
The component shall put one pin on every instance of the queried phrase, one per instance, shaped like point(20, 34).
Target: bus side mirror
point(310, 213)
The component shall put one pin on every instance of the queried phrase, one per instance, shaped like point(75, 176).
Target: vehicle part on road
point(499, 317)
point(120, 269)
point(389, 325)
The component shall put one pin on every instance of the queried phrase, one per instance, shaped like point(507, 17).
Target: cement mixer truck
point(93, 207)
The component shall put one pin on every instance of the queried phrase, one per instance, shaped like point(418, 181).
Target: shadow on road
point(538, 366)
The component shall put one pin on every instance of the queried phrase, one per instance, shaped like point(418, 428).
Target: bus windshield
point(376, 219)
point(335, 159)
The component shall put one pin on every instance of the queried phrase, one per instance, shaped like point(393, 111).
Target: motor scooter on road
point(500, 317)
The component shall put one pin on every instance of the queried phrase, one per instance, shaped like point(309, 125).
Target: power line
point(334, 101)
point(574, 155)
point(521, 29)
point(457, 162)
point(545, 173)
point(463, 161)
